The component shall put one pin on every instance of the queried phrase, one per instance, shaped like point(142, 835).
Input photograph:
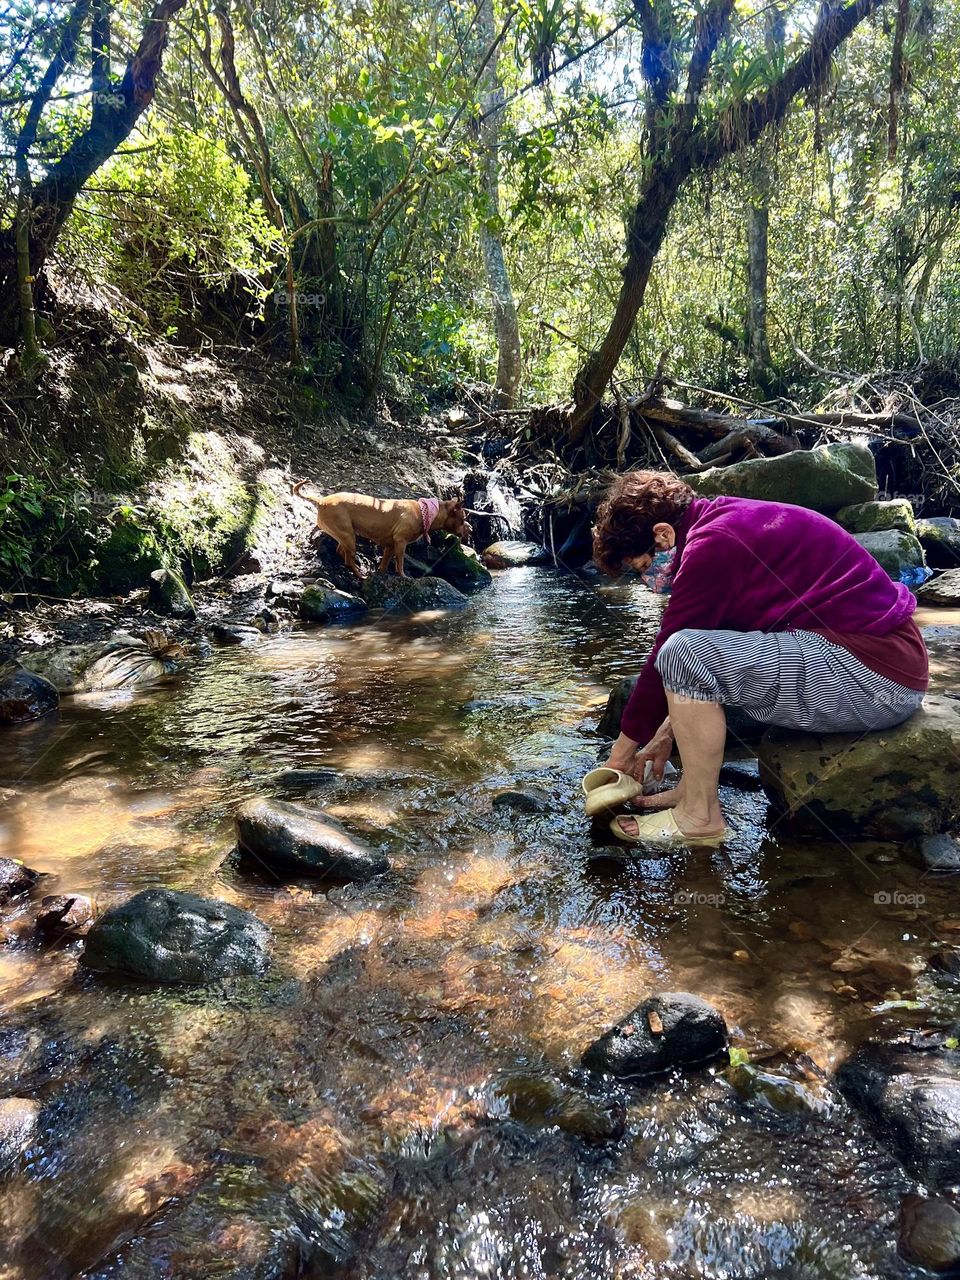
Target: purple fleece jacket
point(746, 565)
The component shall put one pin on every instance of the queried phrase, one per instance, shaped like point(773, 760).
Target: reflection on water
point(347, 1116)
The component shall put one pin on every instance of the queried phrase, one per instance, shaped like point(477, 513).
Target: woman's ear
point(664, 536)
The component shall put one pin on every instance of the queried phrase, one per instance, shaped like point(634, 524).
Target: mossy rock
point(894, 550)
point(876, 517)
point(168, 595)
point(822, 479)
point(940, 538)
point(322, 603)
point(446, 557)
point(128, 553)
point(411, 595)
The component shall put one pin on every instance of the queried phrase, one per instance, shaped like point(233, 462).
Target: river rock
point(509, 554)
point(71, 914)
point(307, 779)
point(322, 603)
point(168, 594)
point(913, 1097)
point(942, 590)
point(15, 879)
point(940, 538)
point(230, 633)
point(823, 479)
point(123, 661)
point(306, 841)
point(929, 1234)
point(18, 1121)
point(894, 550)
point(411, 595)
point(24, 695)
point(875, 517)
point(525, 800)
point(446, 557)
point(672, 1030)
point(542, 1101)
point(940, 852)
point(164, 935)
point(891, 784)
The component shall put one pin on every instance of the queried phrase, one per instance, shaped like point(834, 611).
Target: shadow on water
point(402, 1096)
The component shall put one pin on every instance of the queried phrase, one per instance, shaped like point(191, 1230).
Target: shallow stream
point(402, 1096)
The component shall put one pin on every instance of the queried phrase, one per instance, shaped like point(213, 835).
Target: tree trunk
point(758, 346)
point(491, 241)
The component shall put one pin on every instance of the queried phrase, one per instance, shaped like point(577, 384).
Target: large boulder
point(322, 603)
point(446, 557)
point(24, 695)
point(411, 595)
point(913, 1097)
point(899, 553)
point(123, 661)
point(667, 1031)
point(824, 479)
point(943, 590)
point(164, 935)
point(15, 879)
point(929, 1234)
point(510, 554)
point(168, 594)
point(875, 517)
point(891, 784)
point(940, 538)
point(302, 840)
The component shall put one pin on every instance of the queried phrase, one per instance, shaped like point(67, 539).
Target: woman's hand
point(630, 758)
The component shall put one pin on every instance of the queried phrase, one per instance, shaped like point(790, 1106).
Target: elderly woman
point(773, 609)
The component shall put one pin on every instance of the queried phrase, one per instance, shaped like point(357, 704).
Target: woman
point(773, 609)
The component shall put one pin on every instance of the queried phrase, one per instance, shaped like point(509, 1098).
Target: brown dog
point(390, 522)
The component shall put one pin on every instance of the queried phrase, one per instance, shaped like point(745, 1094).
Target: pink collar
point(428, 513)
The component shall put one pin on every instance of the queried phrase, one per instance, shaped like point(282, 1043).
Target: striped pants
point(792, 678)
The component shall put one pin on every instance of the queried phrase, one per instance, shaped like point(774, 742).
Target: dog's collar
point(428, 513)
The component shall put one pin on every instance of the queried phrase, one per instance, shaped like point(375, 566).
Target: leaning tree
point(697, 113)
point(85, 33)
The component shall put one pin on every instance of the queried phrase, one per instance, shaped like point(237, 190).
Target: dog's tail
point(297, 491)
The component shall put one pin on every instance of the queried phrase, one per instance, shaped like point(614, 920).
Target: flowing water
point(402, 1097)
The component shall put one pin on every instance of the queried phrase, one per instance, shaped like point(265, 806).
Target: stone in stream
point(124, 661)
point(824, 479)
point(411, 595)
point(894, 550)
point(672, 1030)
point(876, 517)
point(940, 538)
point(892, 784)
point(18, 1120)
point(509, 554)
point(165, 935)
point(929, 1234)
point(446, 557)
point(229, 633)
point(940, 853)
point(323, 603)
point(168, 594)
point(542, 1101)
point(15, 879)
point(307, 779)
point(24, 696)
point(61, 914)
point(913, 1098)
point(302, 840)
point(943, 590)
point(526, 800)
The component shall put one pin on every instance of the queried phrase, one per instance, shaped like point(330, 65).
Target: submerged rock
point(929, 1234)
point(874, 517)
point(913, 1097)
point(667, 1031)
point(168, 594)
point(15, 879)
point(527, 800)
point(894, 550)
point(165, 935)
point(940, 853)
point(940, 538)
point(509, 554)
point(889, 785)
point(824, 479)
point(24, 696)
point(944, 590)
point(18, 1120)
point(66, 914)
point(307, 779)
point(446, 557)
point(541, 1101)
point(297, 838)
point(411, 595)
point(321, 603)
